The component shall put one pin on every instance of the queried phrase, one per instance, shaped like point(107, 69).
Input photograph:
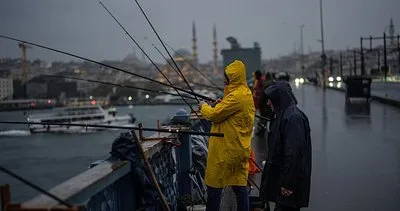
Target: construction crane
point(24, 75)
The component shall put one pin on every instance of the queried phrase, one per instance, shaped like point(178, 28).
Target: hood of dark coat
point(281, 95)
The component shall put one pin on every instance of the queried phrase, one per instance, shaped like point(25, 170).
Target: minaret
point(215, 50)
point(194, 40)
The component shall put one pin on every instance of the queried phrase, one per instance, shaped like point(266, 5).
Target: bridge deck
point(355, 152)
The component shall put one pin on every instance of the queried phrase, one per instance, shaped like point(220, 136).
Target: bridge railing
point(109, 185)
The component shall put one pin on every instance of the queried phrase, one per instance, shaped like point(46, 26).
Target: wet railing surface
point(109, 185)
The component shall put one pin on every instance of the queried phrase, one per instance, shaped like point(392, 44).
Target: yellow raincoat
point(228, 157)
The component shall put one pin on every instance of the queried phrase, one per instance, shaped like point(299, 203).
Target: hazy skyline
point(85, 28)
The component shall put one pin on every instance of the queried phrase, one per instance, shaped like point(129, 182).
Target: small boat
point(86, 114)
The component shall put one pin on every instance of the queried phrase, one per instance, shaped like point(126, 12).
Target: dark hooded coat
point(289, 150)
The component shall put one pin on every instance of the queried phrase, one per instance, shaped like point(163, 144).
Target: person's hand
point(201, 104)
point(286, 192)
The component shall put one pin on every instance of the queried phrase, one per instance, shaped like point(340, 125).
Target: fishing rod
point(194, 67)
point(115, 68)
point(180, 74)
point(106, 65)
point(137, 44)
point(170, 54)
point(30, 184)
point(177, 68)
point(261, 117)
point(169, 63)
point(113, 84)
point(166, 78)
point(161, 130)
point(159, 38)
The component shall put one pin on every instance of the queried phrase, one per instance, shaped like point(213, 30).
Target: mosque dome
point(182, 53)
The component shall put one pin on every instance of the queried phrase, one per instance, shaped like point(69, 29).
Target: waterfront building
point(6, 85)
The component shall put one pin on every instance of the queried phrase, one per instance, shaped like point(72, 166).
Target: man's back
point(289, 151)
point(228, 157)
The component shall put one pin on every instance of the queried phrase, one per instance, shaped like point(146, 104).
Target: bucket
point(197, 207)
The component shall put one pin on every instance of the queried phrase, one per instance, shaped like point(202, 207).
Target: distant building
point(42, 87)
point(6, 85)
point(6, 88)
point(251, 57)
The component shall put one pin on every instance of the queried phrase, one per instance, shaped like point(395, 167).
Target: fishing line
point(169, 63)
point(115, 68)
point(112, 84)
point(194, 67)
point(167, 49)
point(137, 44)
point(106, 65)
point(159, 38)
point(191, 132)
point(30, 184)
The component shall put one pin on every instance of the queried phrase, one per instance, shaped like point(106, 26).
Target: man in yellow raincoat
point(228, 156)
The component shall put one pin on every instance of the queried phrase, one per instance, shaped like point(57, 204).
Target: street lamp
point(302, 49)
point(323, 56)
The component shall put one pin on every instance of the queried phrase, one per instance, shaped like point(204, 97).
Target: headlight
point(301, 80)
point(330, 79)
point(297, 80)
point(338, 78)
point(330, 84)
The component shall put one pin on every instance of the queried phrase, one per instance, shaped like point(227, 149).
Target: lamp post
point(302, 50)
point(323, 56)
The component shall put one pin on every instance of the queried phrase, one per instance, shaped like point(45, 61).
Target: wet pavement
point(381, 89)
point(391, 90)
point(356, 152)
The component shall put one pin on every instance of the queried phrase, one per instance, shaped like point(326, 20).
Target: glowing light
point(339, 84)
point(48, 101)
point(331, 79)
point(129, 98)
point(147, 96)
point(330, 84)
point(301, 80)
point(338, 78)
point(93, 102)
point(296, 80)
point(91, 97)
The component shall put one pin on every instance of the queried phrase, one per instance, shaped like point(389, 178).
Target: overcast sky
point(84, 27)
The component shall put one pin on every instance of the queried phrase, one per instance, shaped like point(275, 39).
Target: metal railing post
point(184, 157)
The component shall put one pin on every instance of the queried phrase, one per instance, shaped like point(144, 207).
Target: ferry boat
point(86, 114)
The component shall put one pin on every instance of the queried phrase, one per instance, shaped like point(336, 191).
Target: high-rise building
point(251, 57)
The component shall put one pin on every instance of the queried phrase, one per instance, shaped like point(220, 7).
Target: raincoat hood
point(236, 73)
point(281, 96)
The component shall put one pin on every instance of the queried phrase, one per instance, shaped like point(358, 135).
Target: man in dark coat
point(286, 176)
